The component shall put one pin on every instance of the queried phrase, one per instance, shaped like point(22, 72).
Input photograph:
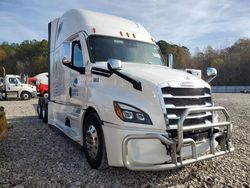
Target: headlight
point(129, 113)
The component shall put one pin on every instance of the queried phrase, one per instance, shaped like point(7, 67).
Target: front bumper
point(177, 159)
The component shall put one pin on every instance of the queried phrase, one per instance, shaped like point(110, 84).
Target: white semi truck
point(11, 85)
point(110, 92)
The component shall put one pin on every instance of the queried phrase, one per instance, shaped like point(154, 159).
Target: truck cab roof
point(12, 75)
point(93, 23)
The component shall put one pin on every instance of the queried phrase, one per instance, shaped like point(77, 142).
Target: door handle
point(70, 92)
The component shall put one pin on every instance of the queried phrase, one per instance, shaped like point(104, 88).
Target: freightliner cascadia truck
point(110, 91)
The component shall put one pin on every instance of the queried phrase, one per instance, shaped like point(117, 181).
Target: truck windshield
point(103, 48)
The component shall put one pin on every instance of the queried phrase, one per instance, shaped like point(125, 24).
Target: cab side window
point(12, 81)
point(77, 57)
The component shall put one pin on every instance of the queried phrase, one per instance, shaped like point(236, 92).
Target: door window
point(77, 55)
point(12, 81)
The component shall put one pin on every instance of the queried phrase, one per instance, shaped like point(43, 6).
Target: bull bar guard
point(177, 144)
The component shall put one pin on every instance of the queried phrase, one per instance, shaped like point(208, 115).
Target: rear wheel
point(25, 95)
point(45, 111)
point(93, 140)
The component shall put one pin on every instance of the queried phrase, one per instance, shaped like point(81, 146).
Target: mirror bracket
point(114, 65)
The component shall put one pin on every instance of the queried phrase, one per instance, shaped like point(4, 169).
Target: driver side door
point(77, 90)
point(13, 84)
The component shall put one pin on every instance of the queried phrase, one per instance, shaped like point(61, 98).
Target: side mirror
point(66, 52)
point(114, 64)
point(170, 60)
point(65, 60)
point(211, 74)
point(38, 82)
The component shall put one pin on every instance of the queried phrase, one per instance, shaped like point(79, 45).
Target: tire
point(3, 95)
point(25, 95)
point(45, 112)
point(45, 95)
point(39, 108)
point(93, 142)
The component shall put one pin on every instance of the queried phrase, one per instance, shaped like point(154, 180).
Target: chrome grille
point(177, 100)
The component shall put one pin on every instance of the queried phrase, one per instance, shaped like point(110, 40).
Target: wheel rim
point(92, 141)
point(26, 96)
point(45, 95)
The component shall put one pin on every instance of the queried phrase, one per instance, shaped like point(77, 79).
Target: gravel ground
point(35, 155)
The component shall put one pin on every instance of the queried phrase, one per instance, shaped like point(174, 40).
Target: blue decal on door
point(75, 90)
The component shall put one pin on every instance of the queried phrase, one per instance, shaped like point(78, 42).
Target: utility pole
point(3, 71)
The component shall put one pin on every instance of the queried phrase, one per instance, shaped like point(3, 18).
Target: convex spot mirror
point(66, 52)
point(114, 64)
point(211, 74)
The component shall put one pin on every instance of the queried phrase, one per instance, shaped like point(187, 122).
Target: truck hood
point(28, 86)
point(158, 74)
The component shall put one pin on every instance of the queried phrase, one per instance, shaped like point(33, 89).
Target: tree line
point(232, 63)
point(28, 57)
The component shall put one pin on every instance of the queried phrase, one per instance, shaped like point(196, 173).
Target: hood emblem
point(187, 78)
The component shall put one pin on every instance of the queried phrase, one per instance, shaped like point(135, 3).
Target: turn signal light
point(118, 110)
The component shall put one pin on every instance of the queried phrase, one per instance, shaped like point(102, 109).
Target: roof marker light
point(121, 33)
point(134, 35)
point(127, 34)
point(94, 30)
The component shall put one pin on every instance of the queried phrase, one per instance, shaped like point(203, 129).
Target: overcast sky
point(191, 23)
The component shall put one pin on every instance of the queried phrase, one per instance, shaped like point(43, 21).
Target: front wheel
point(25, 95)
point(45, 95)
point(93, 140)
